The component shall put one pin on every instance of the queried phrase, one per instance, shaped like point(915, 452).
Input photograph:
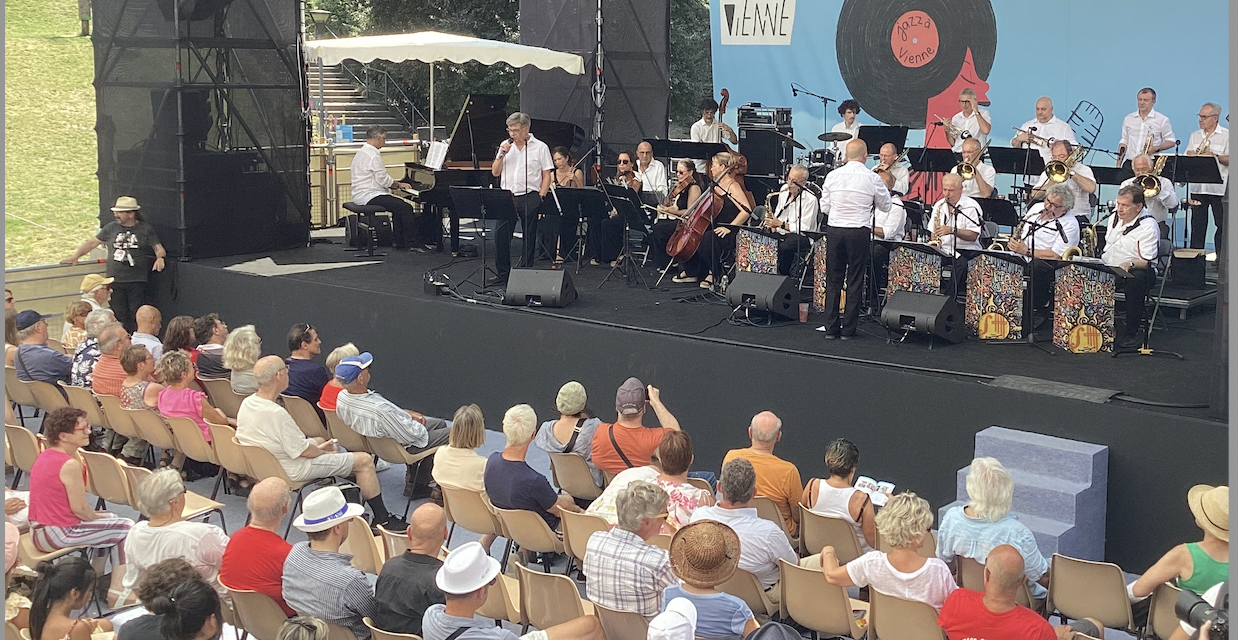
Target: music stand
point(1028, 319)
point(877, 137)
point(932, 160)
point(480, 202)
point(588, 204)
point(627, 203)
point(998, 211)
point(685, 148)
point(1112, 175)
point(1023, 161)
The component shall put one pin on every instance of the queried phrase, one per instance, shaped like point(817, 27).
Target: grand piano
point(480, 128)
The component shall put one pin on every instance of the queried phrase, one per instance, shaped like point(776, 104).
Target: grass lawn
point(49, 117)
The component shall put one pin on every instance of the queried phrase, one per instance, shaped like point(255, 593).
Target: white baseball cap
point(678, 622)
point(325, 508)
point(466, 569)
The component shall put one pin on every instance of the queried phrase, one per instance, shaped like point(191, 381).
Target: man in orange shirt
point(627, 442)
point(777, 479)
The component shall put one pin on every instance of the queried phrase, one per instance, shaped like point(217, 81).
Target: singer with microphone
point(1051, 229)
point(796, 212)
point(1044, 127)
point(524, 167)
point(956, 224)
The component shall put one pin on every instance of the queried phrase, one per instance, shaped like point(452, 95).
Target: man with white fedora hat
point(134, 251)
point(319, 581)
point(465, 579)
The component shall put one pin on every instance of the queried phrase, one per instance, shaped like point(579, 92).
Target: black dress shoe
point(418, 248)
point(847, 336)
point(830, 336)
point(1128, 342)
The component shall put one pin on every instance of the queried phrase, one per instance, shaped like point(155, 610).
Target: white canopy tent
point(433, 46)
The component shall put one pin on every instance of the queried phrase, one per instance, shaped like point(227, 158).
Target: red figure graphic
point(946, 104)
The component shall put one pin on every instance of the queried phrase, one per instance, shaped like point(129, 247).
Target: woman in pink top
point(177, 400)
point(682, 498)
point(60, 513)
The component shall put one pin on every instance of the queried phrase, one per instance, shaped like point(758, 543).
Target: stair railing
point(378, 84)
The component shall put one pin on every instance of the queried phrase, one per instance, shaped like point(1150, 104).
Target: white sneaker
point(381, 465)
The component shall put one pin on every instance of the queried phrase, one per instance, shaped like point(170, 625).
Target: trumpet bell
point(966, 170)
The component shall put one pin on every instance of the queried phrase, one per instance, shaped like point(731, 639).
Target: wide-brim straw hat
point(126, 203)
point(705, 554)
point(1211, 508)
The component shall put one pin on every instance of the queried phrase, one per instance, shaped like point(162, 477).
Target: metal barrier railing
point(49, 288)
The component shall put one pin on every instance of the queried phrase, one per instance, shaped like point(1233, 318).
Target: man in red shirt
point(634, 441)
point(254, 557)
point(994, 615)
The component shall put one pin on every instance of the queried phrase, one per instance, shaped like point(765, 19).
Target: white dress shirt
point(797, 215)
point(970, 188)
point(853, 131)
point(369, 177)
point(1055, 129)
point(1058, 235)
point(850, 194)
point(944, 216)
point(1218, 143)
point(1164, 201)
point(653, 179)
point(893, 223)
point(1135, 132)
point(522, 168)
point(902, 181)
point(972, 126)
point(1140, 243)
point(761, 542)
point(1083, 203)
point(702, 132)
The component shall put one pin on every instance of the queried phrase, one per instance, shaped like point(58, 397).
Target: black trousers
point(604, 241)
point(789, 247)
point(1199, 221)
point(880, 260)
point(405, 226)
point(1136, 291)
point(662, 232)
point(1042, 294)
point(556, 232)
point(846, 258)
point(958, 273)
point(125, 300)
point(526, 212)
point(714, 255)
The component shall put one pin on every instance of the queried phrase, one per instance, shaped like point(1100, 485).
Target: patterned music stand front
point(994, 304)
point(756, 253)
point(1083, 309)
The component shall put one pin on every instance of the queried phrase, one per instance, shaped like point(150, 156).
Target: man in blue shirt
point(306, 378)
point(511, 483)
point(35, 360)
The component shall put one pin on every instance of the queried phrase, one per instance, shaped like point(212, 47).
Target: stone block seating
point(1060, 488)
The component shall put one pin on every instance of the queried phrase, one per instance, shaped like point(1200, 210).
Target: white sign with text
point(757, 21)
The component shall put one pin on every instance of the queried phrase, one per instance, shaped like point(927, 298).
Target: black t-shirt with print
point(130, 250)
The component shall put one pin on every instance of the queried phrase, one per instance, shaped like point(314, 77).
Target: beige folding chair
point(622, 625)
point(701, 484)
point(549, 599)
point(344, 434)
point(26, 448)
point(223, 397)
point(767, 509)
point(19, 394)
point(152, 428)
point(30, 556)
point(196, 506)
point(58, 346)
point(570, 472)
point(366, 549)
point(191, 442)
point(47, 395)
point(928, 546)
point(117, 419)
point(892, 618)
point(971, 576)
point(394, 543)
point(661, 540)
point(107, 474)
point(530, 531)
point(379, 634)
point(502, 601)
point(816, 604)
point(11, 632)
point(227, 451)
point(469, 509)
point(339, 632)
point(1162, 620)
point(817, 530)
point(1086, 589)
point(577, 528)
point(305, 416)
point(262, 465)
point(84, 399)
point(391, 451)
point(745, 586)
point(260, 615)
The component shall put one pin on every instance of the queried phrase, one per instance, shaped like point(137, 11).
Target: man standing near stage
point(524, 167)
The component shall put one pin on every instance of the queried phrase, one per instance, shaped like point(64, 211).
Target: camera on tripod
point(1195, 611)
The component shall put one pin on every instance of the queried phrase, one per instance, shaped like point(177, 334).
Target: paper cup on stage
point(803, 312)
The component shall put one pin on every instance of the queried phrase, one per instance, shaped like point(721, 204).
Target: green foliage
point(348, 17)
point(692, 72)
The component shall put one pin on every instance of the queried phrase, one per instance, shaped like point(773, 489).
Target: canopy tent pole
point(431, 136)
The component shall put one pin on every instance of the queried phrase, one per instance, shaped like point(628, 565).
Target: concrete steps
point(343, 99)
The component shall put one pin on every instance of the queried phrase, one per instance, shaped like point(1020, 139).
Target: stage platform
point(912, 410)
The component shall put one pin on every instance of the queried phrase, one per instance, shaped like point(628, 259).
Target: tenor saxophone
point(935, 242)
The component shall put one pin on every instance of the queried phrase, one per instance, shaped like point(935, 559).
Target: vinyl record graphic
point(896, 54)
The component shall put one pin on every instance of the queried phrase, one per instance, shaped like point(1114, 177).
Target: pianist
point(370, 182)
point(524, 166)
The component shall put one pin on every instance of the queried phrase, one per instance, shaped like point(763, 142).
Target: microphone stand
point(1029, 336)
point(825, 108)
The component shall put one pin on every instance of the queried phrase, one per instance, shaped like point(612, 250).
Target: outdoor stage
point(912, 411)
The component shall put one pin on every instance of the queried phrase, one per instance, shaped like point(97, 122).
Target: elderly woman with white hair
point(985, 522)
point(242, 349)
point(903, 572)
point(87, 353)
point(166, 534)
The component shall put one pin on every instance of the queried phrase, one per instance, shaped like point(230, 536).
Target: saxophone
point(1002, 241)
point(935, 242)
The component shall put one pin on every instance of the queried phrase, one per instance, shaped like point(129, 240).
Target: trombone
point(1059, 170)
point(967, 170)
point(884, 167)
point(1151, 182)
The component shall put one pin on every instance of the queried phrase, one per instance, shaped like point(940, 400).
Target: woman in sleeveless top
point(1196, 566)
point(575, 427)
point(682, 497)
point(565, 175)
point(669, 216)
point(715, 245)
point(62, 588)
point(177, 400)
point(837, 498)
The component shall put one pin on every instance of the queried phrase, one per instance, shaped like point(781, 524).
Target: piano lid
point(485, 115)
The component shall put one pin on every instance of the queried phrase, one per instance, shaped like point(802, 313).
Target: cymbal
point(789, 140)
point(834, 136)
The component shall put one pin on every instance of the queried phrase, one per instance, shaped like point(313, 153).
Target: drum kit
point(822, 161)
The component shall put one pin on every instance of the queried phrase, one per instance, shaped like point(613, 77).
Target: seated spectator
point(303, 628)
point(262, 422)
point(241, 350)
point(158, 580)
point(674, 459)
point(624, 573)
point(306, 378)
point(511, 483)
point(761, 542)
point(181, 337)
point(371, 415)
point(704, 555)
point(605, 506)
point(87, 353)
point(149, 322)
point(970, 614)
point(74, 329)
point(33, 359)
point(137, 392)
point(177, 400)
point(189, 611)
point(466, 577)
point(16, 606)
point(96, 290)
point(903, 572)
point(211, 332)
point(677, 622)
point(838, 498)
point(61, 589)
point(458, 464)
point(254, 557)
point(331, 390)
point(985, 522)
point(777, 479)
point(1194, 566)
point(166, 534)
point(318, 579)
point(60, 513)
point(405, 587)
point(109, 376)
point(16, 508)
point(573, 431)
point(10, 338)
point(627, 442)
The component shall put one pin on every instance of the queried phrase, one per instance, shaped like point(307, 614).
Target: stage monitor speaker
point(539, 288)
point(925, 314)
point(776, 294)
point(766, 153)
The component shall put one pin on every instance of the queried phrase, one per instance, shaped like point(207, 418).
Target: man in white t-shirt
point(971, 119)
point(1209, 195)
point(709, 129)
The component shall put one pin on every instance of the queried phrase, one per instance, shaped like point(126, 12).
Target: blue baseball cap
point(349, 368)
point(29, 318)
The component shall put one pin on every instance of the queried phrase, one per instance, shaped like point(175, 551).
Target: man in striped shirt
point(624, 572)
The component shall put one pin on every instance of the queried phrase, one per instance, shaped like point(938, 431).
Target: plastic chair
point(662, 541)
point(577, 528)
point(152, 428)
point(84, 399)
point(191, 442)
point(817, 530)
point(816, 604)
point(571, 473)
point(971, 576)
point(30, 556)
point(701, 484)
point(47, 396)
point(379, 634)
point(394, 543)
point(530, 531)
point(928, 546)
point(222, 396)
point(262, 465)
point(305, 416)
point(502, 601)
point(1162, 620)
point(344, 434)
point(622, 625)
point(107, 475)
point(1083, 589)
point(227, 451)
point(19, 394)
point(549, 599)
point(469, 509)
point(745, 586)
point(117, 419)
point(196, 506)
point(260, 615)
point(58, 346)
point(366, 549)
point(767, 509)
point(26, 449)
point(391, 451)
point(892, 618)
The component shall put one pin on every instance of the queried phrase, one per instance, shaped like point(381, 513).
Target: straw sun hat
point(705, 554)
point(1211, 508)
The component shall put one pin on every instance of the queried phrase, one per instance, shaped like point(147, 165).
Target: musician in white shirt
point(980, 185)
point(850, 195)
point(1047, 127)
point(524, 167)
point(710, 129)
point(652, 175)
point(796, 212)
point(1132, 243)
point(1081, 181)
point(956, 222)
point(1160, 204)
point(975, 121)
point(1143, 124)
point(849, 109)
point(886, 161)
point(887, 225)
point(370, 182)
point(1049, 229)
point(1209, 195)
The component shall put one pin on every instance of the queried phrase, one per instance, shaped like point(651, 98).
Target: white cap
point(678, 622)
point(466, 569)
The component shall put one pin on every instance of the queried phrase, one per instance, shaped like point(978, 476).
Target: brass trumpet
point(1204, 147)
point(952, 130)
point(1034, 139)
